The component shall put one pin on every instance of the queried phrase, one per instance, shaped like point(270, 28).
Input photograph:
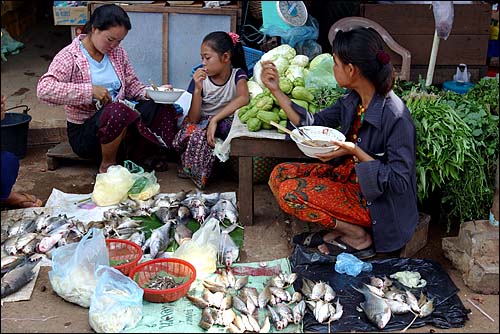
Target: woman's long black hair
point(221, 42)
point(107, 16)
point(362, 47)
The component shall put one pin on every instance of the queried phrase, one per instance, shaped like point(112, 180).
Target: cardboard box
point(70, 16)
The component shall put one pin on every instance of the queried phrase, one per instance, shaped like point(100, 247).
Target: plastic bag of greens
point(116, 304)
point(145, 183)
point(321, 72)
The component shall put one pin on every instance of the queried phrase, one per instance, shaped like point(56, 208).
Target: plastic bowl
point(144, 272)
point(165, 96)
point(322, 133)
point(123, 251)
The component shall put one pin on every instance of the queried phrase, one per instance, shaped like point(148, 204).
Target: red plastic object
point(124, 250)
point(144, 272)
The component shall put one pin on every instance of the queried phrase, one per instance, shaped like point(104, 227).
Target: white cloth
point(238, 129)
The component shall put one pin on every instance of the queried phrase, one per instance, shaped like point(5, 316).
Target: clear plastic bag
point(321, 72)
point(73, 266)
point(443, 16)
point(112, 187)
point(116, 304)
point(201, 250)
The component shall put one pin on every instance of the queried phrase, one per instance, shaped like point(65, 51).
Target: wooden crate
point(413, 26)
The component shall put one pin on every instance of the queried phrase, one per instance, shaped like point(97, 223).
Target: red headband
point(383, 57)
point(235, 37)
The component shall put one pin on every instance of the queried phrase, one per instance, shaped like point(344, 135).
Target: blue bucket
point(15, 128)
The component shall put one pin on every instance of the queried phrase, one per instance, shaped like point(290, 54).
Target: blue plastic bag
point(351, 265)
point(116, 304)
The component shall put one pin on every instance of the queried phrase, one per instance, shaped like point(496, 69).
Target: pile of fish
point(383, 299)
point(29, 237)
point(319, 299)
point(229, 302)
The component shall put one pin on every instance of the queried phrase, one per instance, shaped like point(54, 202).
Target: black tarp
point(449, 311)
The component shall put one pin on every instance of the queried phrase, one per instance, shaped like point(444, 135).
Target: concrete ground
point(269, 237)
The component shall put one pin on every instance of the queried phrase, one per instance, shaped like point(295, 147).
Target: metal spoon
point(153, 85)
point(302, 132)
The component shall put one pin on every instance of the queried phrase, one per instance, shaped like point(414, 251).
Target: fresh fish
point(426, 309)
point(307, 286)
point(207, 320)
point(264, 297)
point(318, 291)
point(251, 294)
point(253, 323)
point(181, 195)
point(128, 223)
point(250, 306)
point(48, 242)
point(41, 221)
point(30, 247)
point(412, 301)
point(398, 307)
point(280, 293)
point(375, 307)
point(296, 297)
point(241, 282)
point(278, 282)
point(54, 222)
point(21, 227)
point(138, 238)
point(321, 311)
point(275, 318)
point(329, 293)
point(209, 199)
point(159, 240)
point(164, 215)
point(339, 310)
point(214, 286)
point(298, 312)
point(182, 233)
point(266, 325)
point(10, 245)
point(230, 277)
point(376, 282)
point(18, 277)
point(285, 312)
point(248, 326)
point(10, 262)
point(239, 305)
point(199, 302)
point(226, 302)
point(238, 321)
point(24, 239)
point(183, 214)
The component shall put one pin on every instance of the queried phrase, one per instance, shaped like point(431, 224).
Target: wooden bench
point(60, 152)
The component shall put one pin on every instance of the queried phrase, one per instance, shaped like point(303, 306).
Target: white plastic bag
point(116, 304)
point(112, 187)
point(73, 266)
point(201, 250)
point(443, 16)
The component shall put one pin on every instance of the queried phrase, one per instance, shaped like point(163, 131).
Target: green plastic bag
point(321, 72)
point(145, 184)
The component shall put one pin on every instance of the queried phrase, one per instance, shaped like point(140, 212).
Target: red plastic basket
point(123, 250)
point(144, 272)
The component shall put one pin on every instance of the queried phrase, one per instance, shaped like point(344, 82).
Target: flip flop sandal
point(310, 239)
point(336, 247)
point(29, 201)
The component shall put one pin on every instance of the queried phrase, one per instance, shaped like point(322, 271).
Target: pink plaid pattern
point(68, 81)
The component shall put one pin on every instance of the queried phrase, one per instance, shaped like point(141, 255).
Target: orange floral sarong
point(320, 193)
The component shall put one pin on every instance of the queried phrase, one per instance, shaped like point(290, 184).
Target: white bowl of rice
point(321, 136)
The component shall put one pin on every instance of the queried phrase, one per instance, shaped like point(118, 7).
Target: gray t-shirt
point(215, 97)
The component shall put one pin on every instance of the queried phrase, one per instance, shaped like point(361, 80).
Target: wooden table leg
point(245, 190)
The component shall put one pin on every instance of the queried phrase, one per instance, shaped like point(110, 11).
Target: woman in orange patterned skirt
point(363, 193)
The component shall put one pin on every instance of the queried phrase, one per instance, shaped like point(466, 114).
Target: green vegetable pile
point(308, 84)
point(457, 146)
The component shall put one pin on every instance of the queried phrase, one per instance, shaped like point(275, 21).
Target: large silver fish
point(375, 307)
point(159, 240)
point(18, 277)
point(182, 233)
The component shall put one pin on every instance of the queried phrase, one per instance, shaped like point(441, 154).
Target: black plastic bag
point(449, 311)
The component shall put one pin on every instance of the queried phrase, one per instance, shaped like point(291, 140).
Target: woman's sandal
point(337, 247)
point(310, 239)
point(22, 200)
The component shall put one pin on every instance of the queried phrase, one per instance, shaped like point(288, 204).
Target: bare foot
point(22, 200)
point(103, 168)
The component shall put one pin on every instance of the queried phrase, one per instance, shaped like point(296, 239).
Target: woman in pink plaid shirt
point(92, 77)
